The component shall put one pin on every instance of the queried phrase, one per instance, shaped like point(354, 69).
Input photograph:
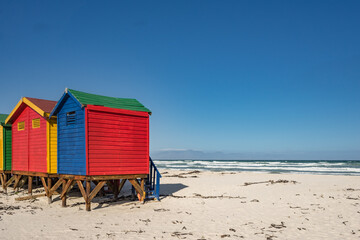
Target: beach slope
point(199, 205)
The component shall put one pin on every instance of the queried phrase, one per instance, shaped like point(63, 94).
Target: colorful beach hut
point(34, 136)
point(5, 144)
point(99, 135)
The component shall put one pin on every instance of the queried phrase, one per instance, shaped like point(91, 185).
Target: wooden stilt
point(138, 189)
point(116, 189)
point(44, 185)
point(2, 180)
point(5, 180)
point(8, 183)
point(22, 182)
point(30, 178)
point(110, 184)
point(52, 190)
point(65, 191)
point(143, 189)
point(17, 180)
point(49, 187)
point(82, 190)
point(121, 184)
point(63, 200)
point(87, 202)
point(98, 187)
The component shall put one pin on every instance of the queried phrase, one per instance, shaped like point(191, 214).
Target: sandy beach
point(198, 205)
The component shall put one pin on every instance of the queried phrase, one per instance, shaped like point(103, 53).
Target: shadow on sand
point(168, 189)
point(106, 201)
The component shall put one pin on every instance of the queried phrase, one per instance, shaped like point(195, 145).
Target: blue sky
point(227, 79)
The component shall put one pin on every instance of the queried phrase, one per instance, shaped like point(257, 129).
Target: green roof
point(112, 102)
point(3, 118)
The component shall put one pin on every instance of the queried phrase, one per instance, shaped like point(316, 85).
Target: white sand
point(204, 205)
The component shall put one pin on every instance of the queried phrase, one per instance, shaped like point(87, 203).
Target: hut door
point(20, 130)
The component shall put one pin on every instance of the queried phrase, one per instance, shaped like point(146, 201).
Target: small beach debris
point(146, 221)
point(254, 200)
point(133, 231)
point(110, 235)
point(179, 234)
point(225, 235)
point(271, 182)
point(278, 226)
point(161, 210)
point(231, 229)
point(176, 222)
point(269, 237)
point(184, 175)
point(352, 198)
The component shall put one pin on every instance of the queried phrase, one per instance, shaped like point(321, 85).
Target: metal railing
point(153, 181)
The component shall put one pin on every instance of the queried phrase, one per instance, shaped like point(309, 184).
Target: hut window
point(36, 123)
point(70, 118)
point(21, 126)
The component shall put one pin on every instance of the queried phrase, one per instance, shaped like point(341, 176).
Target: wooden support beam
point(82, 190)
point(30, 197)
point(138, 189)
point(143, 189)
point(5, 180)
point(56, 186)
point(10, 181)
point(116, 189)
point(87, 202)
point(110, 184)
point(26, 173)
point(17, 179)
point(22, 182)
point(44, 185)
point(2, 180)
point(30, 184)
point(96, 190)
point(121, 184)
point(65, 191)
point(49, 187)
point(63, 200)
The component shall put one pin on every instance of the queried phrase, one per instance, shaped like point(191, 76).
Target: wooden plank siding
point(71, 140)
point(7, 148)
point(117, 143)
point(2, 145)
point(37, 144)
point(52, 145)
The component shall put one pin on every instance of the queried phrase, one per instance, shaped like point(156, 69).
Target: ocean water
point(270, 166)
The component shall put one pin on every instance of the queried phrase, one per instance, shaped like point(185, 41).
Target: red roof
point(45, 105)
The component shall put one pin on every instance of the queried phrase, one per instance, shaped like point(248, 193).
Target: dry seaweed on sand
point(271, 182)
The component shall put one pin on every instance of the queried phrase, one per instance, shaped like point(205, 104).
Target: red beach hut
point(33, 136)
